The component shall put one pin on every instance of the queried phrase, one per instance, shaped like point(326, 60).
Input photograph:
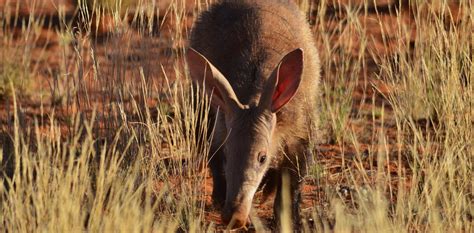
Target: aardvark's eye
point(262, 157)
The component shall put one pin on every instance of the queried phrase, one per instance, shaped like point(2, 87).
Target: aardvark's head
point(248, 145)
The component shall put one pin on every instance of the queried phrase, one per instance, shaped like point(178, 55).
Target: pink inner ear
point(280, 88)
point(289, 78)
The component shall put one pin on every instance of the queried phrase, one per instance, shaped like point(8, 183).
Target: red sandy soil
point(156, 53)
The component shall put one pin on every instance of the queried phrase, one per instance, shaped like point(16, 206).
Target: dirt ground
point(157, 53)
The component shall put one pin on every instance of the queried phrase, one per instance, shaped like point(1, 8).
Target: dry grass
point(105, 137)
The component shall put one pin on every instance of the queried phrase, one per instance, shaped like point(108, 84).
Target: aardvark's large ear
point(215, 84)
point(284, 81)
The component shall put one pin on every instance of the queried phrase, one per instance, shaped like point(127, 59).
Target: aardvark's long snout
point(237, 206)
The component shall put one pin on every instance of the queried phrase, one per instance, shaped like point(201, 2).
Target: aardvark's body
point(259, 62)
